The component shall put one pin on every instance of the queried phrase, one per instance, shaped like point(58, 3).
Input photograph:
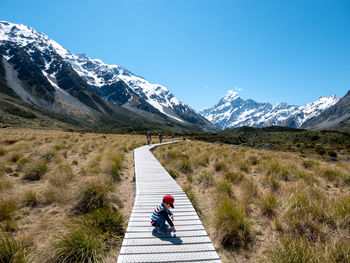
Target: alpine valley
point(40, 80)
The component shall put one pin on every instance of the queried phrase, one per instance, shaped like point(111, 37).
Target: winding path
point(142, 243)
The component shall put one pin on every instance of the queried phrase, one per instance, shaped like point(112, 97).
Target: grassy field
point(266, 206)
point(64, 196)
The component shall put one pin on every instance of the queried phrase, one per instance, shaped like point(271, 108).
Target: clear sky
point(272, 51)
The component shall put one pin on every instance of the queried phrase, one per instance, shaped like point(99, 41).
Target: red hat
point(169, 199)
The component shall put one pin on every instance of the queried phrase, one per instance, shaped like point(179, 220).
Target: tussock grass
point(192, 197)
point(5, 184)
point(234, 178)
point(173, 173)
point(92, 196)
point(78, 244)
point(11, 249)
point(115, 166)
point(224, 188)
point(268, 204)
point(35, 171)
point(206, 180)
point(107, 221)
point(30, 198)
point(233, 228)
point(7, 209)
point(220, 166)
point(2, 151)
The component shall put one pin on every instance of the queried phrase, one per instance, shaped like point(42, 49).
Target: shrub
point(79, 244)
point(35, 171)
point(233, 228)
point(49, 156)
point(271, 182)
point(268, 204)
point(11, 250)
point(93, 195)
point(107, 221)
point(30, 198)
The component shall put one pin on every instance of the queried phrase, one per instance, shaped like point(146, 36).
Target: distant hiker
point(149, 138)
point(172, 136)
point(160, 138)
point(162, 214)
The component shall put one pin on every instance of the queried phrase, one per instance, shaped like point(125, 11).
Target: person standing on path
point(160, 138)
point(149, 138)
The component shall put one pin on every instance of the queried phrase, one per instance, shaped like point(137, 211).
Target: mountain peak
point(230, 95)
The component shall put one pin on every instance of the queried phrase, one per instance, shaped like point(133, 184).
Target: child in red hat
point(162, 214)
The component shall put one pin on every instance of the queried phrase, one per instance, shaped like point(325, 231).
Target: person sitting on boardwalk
point(162, 214)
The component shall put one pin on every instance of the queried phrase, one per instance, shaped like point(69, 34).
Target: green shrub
point(78, 244)
point(35, 171)
point(107, 221)
point(233, 228)
point(93, 195)
point(11, 250)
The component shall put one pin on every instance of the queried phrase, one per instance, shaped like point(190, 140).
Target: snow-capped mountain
point(232, 111)
point(52, 64)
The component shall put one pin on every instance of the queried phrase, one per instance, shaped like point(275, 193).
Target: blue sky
point(272, 51)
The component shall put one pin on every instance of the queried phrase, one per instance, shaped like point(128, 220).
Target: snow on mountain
point(99, 75)
point(232, 111)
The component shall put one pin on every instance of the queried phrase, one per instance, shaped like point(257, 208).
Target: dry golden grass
point(265, 206)
point(42, 174)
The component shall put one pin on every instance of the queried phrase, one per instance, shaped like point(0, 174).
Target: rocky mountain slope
point(233, 111)
point(38, 71)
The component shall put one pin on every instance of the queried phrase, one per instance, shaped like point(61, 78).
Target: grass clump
point(35, 171)
point(268, 204)
point(173, 173)
point(15, 157)
point(225, 188)
point(185, 166)
point(30, 198)
point(7, 209)
point(5, 184)
point(234, 177)
point(233, 228)
point(93, 195)
point(206, 180)
point(340, 251)
point(11, 250)
point(115, 167)
point(78, 244)
point(107, 221)
point(292, 251)
point(2, 151)
point(220, 166)
point(193, 199)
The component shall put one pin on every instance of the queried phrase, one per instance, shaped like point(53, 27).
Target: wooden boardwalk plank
point(141, 242)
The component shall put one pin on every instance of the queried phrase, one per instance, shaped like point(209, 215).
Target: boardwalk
point(141, 243)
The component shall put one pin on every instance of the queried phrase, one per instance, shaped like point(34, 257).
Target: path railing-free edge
point(141, 243)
